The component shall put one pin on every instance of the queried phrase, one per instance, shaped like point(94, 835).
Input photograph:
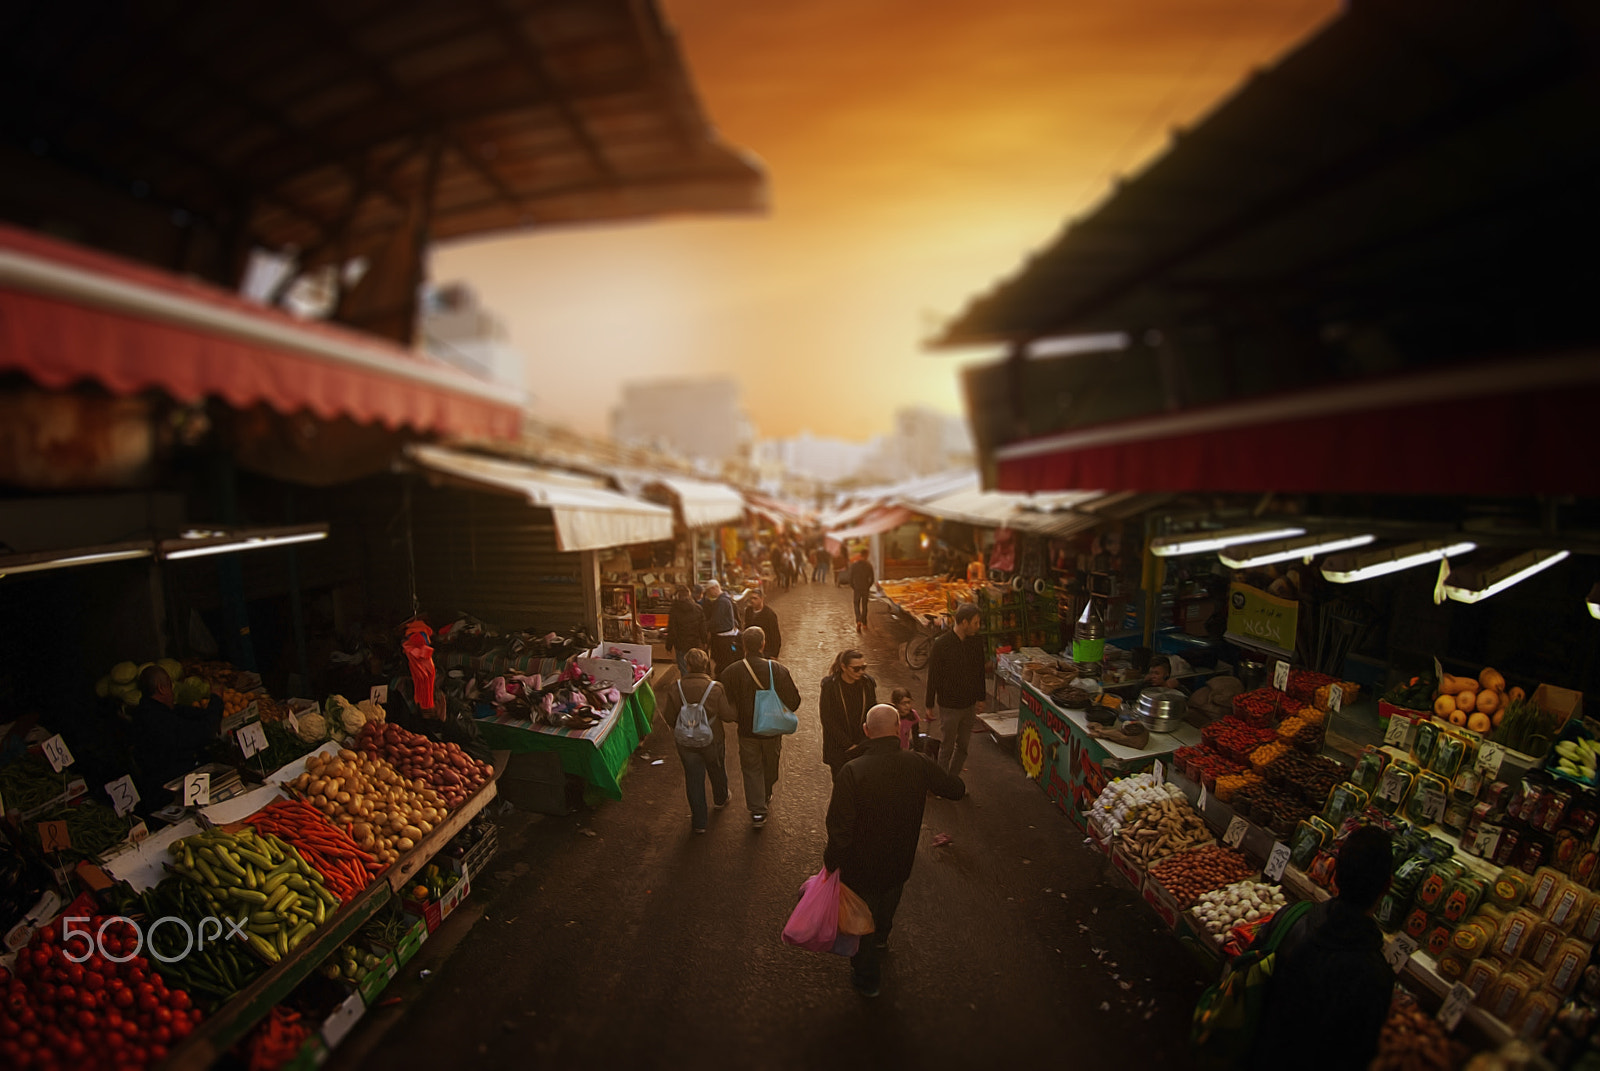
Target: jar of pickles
point(1439, 878)
point(1448, 751)
point(1369, 769)
point(1423, 744)
point(1463, 897)
point(1344, 801)
point(1457, 813)
point(1310, 837)
point(1395, 785)
point(1428, 797)
point(1509, 889)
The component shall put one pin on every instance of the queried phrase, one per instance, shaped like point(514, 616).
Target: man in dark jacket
point(956, 684)
point(757, 614)
point(1330, 981)
point(722, 622)
point(758, 755)
point(861, 580)
point(874, 820)
point(686, 626)
point(168, 740)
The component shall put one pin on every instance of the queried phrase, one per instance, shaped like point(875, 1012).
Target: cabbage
point(124, 672)
point(102, 687)
point(173, 667)
point(313, 728)
point(191, 691)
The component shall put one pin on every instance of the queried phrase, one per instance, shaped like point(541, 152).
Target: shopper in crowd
point(696, 686)
point(722, 624)
point(169, 739)
point(861, 580)
point(820, 559)
point(686, 626)
point(874, 821)
point(758, 755)
point(910, 720)
point(848, 692)
point(956, 685)
point(1330, 981)
point(757, 614)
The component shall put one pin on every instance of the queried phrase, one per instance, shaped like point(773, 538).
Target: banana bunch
point(1578, 758)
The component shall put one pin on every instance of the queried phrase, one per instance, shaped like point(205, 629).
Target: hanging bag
point(770, 717)
point(855, 917)
point(693, 728)
point(1229, 1013)
point(814, 923)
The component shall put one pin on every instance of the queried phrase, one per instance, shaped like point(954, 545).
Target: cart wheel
point(918, 650)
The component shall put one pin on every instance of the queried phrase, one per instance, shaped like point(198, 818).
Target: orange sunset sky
point(917, 151)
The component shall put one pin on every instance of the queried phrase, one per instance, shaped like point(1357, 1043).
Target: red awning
point(69, 315)
point(885, 519)
point(1511, 428)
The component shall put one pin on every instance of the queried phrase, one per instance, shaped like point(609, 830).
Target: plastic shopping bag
point(855, 917)
point(814, 924)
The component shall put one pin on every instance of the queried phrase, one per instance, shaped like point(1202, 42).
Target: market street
point(616, 938)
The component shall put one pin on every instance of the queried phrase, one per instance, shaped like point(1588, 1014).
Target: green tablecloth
point(600, 764)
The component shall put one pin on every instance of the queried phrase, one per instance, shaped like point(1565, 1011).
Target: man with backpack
point(695, 709)
point(765, 698)
point(1314, 971)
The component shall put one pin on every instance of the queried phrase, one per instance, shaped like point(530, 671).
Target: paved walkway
point(616, 938)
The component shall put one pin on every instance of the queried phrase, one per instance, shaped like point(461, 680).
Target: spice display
point(1265, 755)
point(1163, 828)
point(1413, 1040)
point(1228, 785)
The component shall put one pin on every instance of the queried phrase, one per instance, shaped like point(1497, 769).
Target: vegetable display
point(385, 813)
point(1526, 727)
point(257, 880)
point(1220, 910)
point(1162, 829)
point(1126, 796)
point(92, 827)
point(214, 972)
point(451, 772)
point(1414, 694)
point(1413, 1040)
point(345, 867)
point(29, 784)
point(277, 1040)
point(1198, 870)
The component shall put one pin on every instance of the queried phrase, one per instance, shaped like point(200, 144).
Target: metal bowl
point(1161, 723)
point(1162, 709)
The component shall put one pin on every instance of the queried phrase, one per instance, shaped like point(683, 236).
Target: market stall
point(598, 754)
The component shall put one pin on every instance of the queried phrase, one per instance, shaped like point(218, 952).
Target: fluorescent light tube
point(1506, 574)
point(1172, 546)
point(174, 549)
point(68, 559)
point(1348, 568)
point(1594, 601)
point(1288, 550)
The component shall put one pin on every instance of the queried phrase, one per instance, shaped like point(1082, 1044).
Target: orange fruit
point(1479, 723)
point(1458, 717)
point(1467, 702)
point(1444, 706)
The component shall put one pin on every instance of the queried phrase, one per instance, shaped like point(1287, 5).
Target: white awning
point(1049, 514)
point(702, 504)
point(588, 516)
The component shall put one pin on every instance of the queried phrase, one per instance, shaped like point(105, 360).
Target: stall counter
point(599, 756)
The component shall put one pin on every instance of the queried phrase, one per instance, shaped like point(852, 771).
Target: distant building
point(924, 441)
point(700, 419)
point(457, 329)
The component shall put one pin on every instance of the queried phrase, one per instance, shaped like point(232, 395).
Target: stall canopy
point(70, 315)
point(884, 519)
point(780, 512)
point(1047, 515)
point(588, 516)
point(701, 504)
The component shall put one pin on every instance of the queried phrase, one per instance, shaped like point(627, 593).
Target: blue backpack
point(771, 717)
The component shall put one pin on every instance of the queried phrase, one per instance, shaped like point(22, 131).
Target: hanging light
point(1172, 546)
point(38, 562)
point(1348, 568)
point(1498, 578)
point(1286, 550)
point(1594, 601)
point(198, 544)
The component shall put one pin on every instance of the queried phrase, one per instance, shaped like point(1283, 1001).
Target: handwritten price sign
point(1236, 831)
point(252, 739)
point(124, 796)
point(196, 789)
point(56, 750)
point(54, 836)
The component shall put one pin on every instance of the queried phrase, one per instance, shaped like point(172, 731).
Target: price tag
point(1399, 732)
point(1276, 861)
point(1335, 698)
point(1438, 670)
point(1204, 801)
point(292, 720)
point(196, 789)
point(123, 794)
point(252, 711)
point(1236, 831)
point(138, 833)
point(56, 750)
point(54, 836)
point(1398, 951)
point(1280, 676)
point(380, 694)
point(1489, 758)
point(1159, 771)
point(1487, 841)
point(252, 739)
point(1455, 1002)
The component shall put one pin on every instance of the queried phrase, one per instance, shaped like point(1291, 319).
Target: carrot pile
point(277, 1040)
point(346, 869)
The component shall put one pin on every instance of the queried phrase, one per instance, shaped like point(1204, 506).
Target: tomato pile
point(1261, 705)
point(1203, 764)
point(94, 1014)
point(1235, 738)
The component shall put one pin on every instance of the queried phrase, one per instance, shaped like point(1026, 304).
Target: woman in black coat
point(847, 694)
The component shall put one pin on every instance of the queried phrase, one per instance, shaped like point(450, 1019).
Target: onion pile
point(383, 812)
point(1124, 798)
point(448, 770)
point(1220, 910)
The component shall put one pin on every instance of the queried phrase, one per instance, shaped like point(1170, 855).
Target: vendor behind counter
point(169, 739)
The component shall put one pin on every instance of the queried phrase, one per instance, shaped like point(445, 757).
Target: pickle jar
point(1448, 751)
point(1437, 940)
point(1395, 785)
point(1440, 876)
point(1509, 889)
point(1471, 939)
point(1457, 813)
point(1309, 838)
point(1344, 801)
point(1368, 770)
point(1392, 910)
point(1423, 743)
point(1463, 897)
point(1429, 795)
point(1409, 874)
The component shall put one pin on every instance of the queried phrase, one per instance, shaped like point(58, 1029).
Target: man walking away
point(686, 626)
point(757, 614)
point(820, 567)
point(722, 623)
point(1330, 981)
point(758, 755)
point(700, 760)
point(956, 684)
point(861, 580)
point(874, 820)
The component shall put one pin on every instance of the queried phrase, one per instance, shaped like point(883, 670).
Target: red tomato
point(87, 1021)
point(75, 973)
point(123, 998)
point(130, 1029)
point(158, 1051)
point(180, 999)
point(139, 1055)
point(29, 1039)
point(66, 993)
point(93, 981)
point(47, 992)
point(148, 1002)
point(41, 958)
point(163, 1015)
point(76, 1051)
point(136, 975)
point(162, 1034)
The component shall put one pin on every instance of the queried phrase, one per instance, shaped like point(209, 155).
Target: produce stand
point(599, 755)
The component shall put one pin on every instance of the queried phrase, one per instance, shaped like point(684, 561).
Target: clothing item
point(875, 815)
point(861, 576)
point(720, 616)
point(695, 689)
point(767, 621)
point(686, 626)
point(866, 964)
point(698, 763)
point(957, 725)
point(911, 731)
point(419, 653)
point(741, 686)
point(1330, 982)
point(955, 672)
point(843, 710)
point(724, 652)
point(758, 764)
point(168, 742)
point(683, 665)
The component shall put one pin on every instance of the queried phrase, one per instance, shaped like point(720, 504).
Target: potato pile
point(385, 813)
point(1198, 870)
point(1163, 828)
point(444, 767)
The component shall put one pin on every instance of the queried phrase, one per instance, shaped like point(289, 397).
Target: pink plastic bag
point(814, 924)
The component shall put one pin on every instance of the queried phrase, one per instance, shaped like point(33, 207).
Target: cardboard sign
point(1204, 801)
point(1236, 831)
point(1256, 619)
point(252, 739)
point(56, 750)
point(1489, 758)
point(1455, 1002)
point(1399, 732)
point(608, 671)
point(1398, 951)
point(292, 720)
point(1276, 861)
point(196, 789)
point(123, 794)
point(379, 694)
point(1280, 676)
point(54, 836)
point(1335, 698)
point(138, 833)
point(1159, 771)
